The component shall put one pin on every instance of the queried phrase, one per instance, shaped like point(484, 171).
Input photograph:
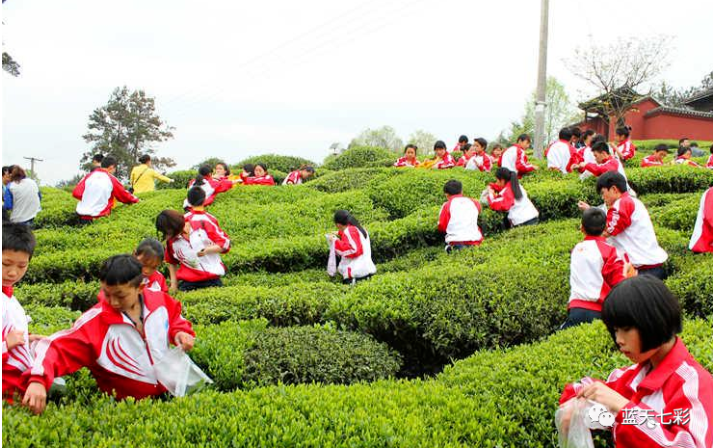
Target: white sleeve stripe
point(44, 344)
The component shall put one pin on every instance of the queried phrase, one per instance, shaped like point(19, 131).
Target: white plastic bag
point(332, 258)
point(577, 434)
point(179, 375)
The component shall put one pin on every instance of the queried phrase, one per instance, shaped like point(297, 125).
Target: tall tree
point(559, 111)
point(671, 96)
point(423, 140)
point(126, 127)
point(384, 137)
point(617, 70)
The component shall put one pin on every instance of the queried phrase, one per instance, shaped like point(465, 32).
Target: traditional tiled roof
point(698, 96)
point(678, 111)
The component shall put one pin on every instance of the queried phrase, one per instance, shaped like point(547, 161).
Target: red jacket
point(650, 161)
point(701, 240)
point(628, 149)
point(183, 251)
point(710, 162)
point(677, 396)
point(295, 178)
point(404, 162)
point(96, 193)
point(106, 341)
point(611, 164)
point(445, 162)
point(215, 186)
point(595, 267)
point(515, 159)
point(156, 282)
point(262, 180)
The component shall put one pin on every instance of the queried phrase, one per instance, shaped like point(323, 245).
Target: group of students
point(21, 196)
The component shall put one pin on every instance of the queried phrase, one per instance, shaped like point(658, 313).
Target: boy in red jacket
point(595, 267)
point(97, 190)
point(458, 218)
point(657, 157)
point(119, 339)
point(18, 245)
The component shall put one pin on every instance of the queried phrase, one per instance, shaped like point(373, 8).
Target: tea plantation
point(435, 350)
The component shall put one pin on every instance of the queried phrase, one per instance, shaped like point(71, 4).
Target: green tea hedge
point(496, 398)
point(360, 157)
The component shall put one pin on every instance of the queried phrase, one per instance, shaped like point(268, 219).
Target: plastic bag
point(584, 416)
point(179, 375)
point(332, 258)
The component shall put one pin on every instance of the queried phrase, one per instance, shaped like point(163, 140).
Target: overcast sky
point(239, 78)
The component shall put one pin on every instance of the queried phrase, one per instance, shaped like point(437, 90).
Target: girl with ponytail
point(352, 244)
point(507, 195)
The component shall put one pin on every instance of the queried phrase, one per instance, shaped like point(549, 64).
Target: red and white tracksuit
point(595, 267)
point(627, 148)
point(676, 396)
point(96, 193)
point(710, 162)
point(445, 162)
point(459, 220)
point(519, 211)
point(211, 187)
point(107, 342)
point(683, 161)
point(516, 160)
point(404, 162)
point(155, 282)
point(650, 161)
point(294, 178)
point(355, 251)
point(262, 180)
point(562, 156)
point(610, 164)
point(463, 160)
point(481, 162)
point(701, 240)
point(184, 252)
point(631, 231)
point(19, 359)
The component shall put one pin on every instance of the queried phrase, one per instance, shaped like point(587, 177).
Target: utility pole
point(32, 165)
point(540, 89)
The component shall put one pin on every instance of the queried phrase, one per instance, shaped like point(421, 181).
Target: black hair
point(576, 132)
point(225, 167)
point(169, 223)
point(623, 130)
point(18, 237)
point(587, 133)
point(463, 139)
point(109, 161)
point(150, 247)
point(496, 146)
point(262, 165)
point(439, 145)
point(343, 217)
point(98, 158)
point(145, 158)
point(411, 145)
point(482, 142)
point(611, 179)
point(681, 140)
point(120, 270)
point(594, 220)
point(308, 168)
point(453, 187)
point(523, 138)
point(504, 173)
point(598, 138)
point(662, 147)
point(5, 170)
point(196, 196)
point(601, 146)
point(467, 147)
point(204, 171)
point(565, 134)
point(645, 303)
point(682, 150)
point(248, 168)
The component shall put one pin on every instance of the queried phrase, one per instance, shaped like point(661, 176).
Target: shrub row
point(285, 164)
point(360, 157)
point(498, 398)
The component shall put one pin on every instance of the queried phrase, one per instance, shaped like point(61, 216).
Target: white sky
point(239, 78)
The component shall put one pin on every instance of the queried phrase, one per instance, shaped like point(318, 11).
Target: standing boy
point(629, 225)
point(515, 158)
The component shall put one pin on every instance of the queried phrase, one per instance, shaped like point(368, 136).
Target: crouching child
point(119, 339)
